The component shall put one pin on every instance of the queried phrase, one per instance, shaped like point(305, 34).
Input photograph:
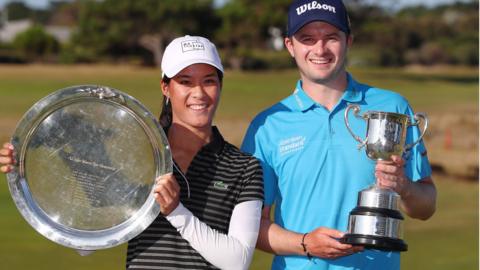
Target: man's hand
point(418, 197)
point(323, 242)
point(391, 174)
point(167, 193)
point(7, 158)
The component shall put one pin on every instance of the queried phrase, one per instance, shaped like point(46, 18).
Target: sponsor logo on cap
point(314, 5)
point(192, 45)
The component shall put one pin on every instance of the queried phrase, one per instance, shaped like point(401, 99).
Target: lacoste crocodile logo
point(220, 185)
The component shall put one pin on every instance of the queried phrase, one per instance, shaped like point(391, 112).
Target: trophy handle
point(417, 118)
point(356, 110)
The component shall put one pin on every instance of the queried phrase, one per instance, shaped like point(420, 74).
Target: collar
point(217, 142)
point(302, 102)
point(354, 92)
point(215, 145)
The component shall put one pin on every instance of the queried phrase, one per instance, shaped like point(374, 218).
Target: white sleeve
point(232, 251)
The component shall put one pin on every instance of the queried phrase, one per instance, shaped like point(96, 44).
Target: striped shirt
point(220, 177)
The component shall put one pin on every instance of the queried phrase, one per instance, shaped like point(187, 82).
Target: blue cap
point(302, 12)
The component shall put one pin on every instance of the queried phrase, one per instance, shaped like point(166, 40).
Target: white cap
point(188, 50)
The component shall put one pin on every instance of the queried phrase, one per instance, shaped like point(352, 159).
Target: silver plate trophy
point(376, 220)
point(87, 160)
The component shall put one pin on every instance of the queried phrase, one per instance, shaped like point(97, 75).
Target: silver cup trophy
point(376, 221)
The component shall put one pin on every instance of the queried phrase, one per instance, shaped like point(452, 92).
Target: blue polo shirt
point(313, 169)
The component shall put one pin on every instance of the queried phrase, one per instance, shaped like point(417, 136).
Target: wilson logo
point(314, 5)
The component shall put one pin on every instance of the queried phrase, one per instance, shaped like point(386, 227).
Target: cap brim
point(175, 70)
point(295, 29)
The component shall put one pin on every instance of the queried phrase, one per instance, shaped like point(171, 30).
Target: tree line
point(248, 33)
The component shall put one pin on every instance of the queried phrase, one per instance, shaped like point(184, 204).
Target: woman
point(211, 204)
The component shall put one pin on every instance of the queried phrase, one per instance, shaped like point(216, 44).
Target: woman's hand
point(7, 158)
point(167, 193)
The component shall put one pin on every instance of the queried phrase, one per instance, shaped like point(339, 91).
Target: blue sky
point(44, 3)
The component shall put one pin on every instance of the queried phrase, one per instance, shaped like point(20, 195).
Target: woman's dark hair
point(166, 116)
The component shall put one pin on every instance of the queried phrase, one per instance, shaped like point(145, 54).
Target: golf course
point(448, 95)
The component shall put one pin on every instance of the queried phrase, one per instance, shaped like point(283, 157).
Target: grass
point(449, 240)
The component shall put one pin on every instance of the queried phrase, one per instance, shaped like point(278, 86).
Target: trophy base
point(375, 242)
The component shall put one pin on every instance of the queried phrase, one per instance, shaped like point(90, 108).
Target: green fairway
point(449, 240)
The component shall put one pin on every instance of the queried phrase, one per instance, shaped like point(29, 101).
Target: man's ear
point(289, 45)
point(349, 40)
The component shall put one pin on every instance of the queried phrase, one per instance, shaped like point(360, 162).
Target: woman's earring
point(167, 101)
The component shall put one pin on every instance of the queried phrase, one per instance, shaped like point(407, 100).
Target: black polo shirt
point(220, 177)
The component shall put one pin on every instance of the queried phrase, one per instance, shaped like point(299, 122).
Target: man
point(312, 168)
